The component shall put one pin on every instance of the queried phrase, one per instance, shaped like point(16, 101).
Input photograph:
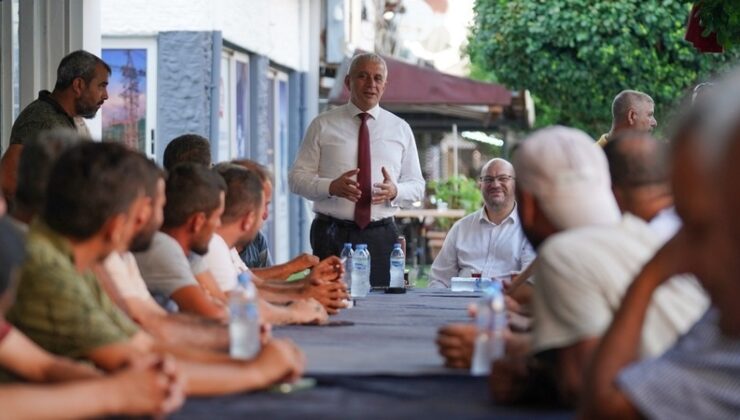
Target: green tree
point(576, 55)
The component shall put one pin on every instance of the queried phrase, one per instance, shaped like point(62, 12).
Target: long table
point(376, 360)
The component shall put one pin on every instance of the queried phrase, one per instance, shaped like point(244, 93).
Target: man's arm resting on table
point(282, 271)
point(210, 285)
point(26, 359)
point(210, 373)
point(179, 328)
point(193, 299)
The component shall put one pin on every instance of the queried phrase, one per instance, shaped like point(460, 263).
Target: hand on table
point(152, 384)
point(346, 187)
point(308, 311)
point(325, 284)
point(386, 190)
point(281, 361)
point(455, 343)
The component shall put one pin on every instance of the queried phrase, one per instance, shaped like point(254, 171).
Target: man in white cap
point(588, 254)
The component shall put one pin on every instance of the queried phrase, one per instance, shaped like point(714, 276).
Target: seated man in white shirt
point(240, 222)
point(489, 241)
point(587, 256)
point(639, 173)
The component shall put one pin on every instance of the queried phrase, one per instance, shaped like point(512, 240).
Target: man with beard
point(195, 201)
point(60, 304)
point(122, 279)
point(80, 90)
point(489, 241)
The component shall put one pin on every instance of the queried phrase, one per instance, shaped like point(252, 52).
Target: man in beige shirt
point(631, 110)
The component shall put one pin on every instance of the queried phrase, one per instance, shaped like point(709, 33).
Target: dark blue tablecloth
point(384, 365)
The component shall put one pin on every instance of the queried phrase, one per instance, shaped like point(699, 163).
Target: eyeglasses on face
point(501, 179)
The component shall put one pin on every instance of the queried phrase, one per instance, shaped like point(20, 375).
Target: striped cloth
point(698, 378)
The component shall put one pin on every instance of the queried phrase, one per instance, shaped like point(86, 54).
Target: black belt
point(351, 223)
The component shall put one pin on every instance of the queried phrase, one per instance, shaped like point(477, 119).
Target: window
point(129, 114)
point(233, 115)
point(278, 163)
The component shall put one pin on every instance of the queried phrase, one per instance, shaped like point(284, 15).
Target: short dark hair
point(37, 159)
point(151, 173)
point(90, 183)
point(636, 159)
point(258, 168)
point(76, 64)
point(243, 191)
point(191, 188)
point(187, 148)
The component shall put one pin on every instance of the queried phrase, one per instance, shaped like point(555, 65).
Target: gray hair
point(363, 57)
point(625, 100)
point(76, 64)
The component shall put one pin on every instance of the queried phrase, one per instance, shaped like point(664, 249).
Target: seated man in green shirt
point(149, 386)
point(93, 191)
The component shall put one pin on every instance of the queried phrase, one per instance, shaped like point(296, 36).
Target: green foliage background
point(576, 55)
point(459, 192)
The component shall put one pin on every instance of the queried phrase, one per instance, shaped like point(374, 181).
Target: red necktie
point(364, 178)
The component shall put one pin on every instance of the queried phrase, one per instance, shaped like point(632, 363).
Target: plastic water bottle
point(346, 257)
point(490, 342)
point(244, 324)
point(360, 272)
point(398, 263)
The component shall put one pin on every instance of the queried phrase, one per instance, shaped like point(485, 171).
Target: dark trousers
point(328, 236)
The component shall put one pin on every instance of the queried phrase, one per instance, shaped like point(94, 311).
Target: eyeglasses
point(501, 179)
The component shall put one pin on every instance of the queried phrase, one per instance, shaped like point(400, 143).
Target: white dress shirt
point(219, 263)
point(666, 223)
point(474, 243)
point(329, 149)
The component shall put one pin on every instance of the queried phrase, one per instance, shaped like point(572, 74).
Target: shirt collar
point(354, 110)
point(45, 95)
point(513, 217)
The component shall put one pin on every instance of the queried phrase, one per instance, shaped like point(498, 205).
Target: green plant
point(459, 192)
point(576, 55)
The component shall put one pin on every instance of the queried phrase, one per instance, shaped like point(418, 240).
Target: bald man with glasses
point(489, 241)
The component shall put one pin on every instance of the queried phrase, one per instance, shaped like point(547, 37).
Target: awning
point(694, 34)
point(430, 100)
point(414, 85)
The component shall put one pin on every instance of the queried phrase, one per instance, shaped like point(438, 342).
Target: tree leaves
point(576, 55)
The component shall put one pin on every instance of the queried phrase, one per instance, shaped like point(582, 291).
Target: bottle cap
point(244, 278)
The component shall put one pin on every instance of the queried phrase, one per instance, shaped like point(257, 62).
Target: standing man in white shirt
point(358, 163)
point(489, 241)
